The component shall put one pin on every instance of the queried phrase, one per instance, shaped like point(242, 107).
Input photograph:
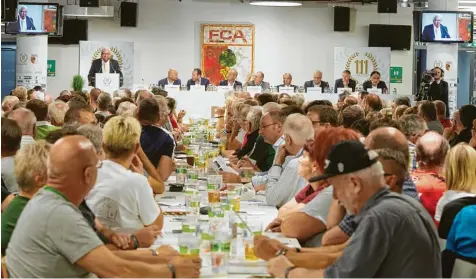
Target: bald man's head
point(26, 120)
point(172, 74)
point(72, 166)
point(431, 149)
point(388, 137)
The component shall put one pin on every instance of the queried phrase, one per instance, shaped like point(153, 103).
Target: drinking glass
point(220, 248)
point(213, 187)
point(195, 204)
point(192, 175)
point(247, 174)
point(190, 225)
point(189, 244)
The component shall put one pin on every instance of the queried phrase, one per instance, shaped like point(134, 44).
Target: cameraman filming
point(439, 88)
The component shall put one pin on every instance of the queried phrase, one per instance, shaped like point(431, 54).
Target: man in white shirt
point(316, 81)
point(24, 22)
point(435, 31)
point(105, 64)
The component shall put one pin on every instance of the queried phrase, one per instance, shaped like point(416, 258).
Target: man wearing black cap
point(395, 238)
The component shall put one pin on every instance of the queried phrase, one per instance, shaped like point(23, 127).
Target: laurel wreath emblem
point(115, 51)
point(372, 59)
point(350, 59)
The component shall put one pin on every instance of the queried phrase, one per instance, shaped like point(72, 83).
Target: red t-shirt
point(308, 193)
point(445, 122)
point(173, 122)
point(431, 186)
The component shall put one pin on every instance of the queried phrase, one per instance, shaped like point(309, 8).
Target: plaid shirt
point(413, 163)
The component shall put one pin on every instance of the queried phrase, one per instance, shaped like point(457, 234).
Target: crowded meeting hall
point(165, 139)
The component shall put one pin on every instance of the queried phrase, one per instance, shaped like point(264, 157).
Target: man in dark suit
point(375, 82)
point(231, 80)
point(316, 82)
point(435, 31)
point(439, 88)
point(345, 82)
point(287, 80)
point(258, 81)
point(23, 23)
point(171, 79)
point(197, 79)
point(105, 64)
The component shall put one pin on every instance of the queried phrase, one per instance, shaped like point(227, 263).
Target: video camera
point(427, 78)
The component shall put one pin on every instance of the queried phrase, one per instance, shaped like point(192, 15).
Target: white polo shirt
point(122, 198)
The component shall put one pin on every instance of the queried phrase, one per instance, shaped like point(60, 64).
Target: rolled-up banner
point(32, 61)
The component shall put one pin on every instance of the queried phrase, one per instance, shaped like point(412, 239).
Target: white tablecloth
point(198, 103)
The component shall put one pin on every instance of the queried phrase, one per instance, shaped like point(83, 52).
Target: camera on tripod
point(427, 78)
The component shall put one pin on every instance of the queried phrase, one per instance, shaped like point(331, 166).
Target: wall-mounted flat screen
point(396, 37)
point(35, 18)
point(445, 26)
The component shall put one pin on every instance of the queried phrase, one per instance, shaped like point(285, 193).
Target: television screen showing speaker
point(444, 26)
point(35, 18)
point(396, 37)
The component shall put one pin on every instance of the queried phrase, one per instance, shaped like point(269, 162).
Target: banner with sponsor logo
point(445, 56)
point(226, 47)
point(123, 52)
point(31, 61)
point(361, 62)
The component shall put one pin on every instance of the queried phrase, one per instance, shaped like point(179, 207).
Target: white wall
point(296, 40)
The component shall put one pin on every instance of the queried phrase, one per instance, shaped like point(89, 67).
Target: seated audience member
point(350, 115)
point(456, 127)
point(122, 196)
point(270, 107)
point(56, 113)
point(322, 117)
point(266, 98)
point(461, 240)
point(26, 120)
point(441, 112)
point(305, 216)
point(411, 110)
point(398, 112)
point(287, 82)
point(103, 102)
point(341, 100)
point(410, 225)
point(372, 103)
point(21, 93)
point(155, 91)
point(283, 98)
point(53, 233)
point(241, 113)
point(413, 127)
point(401, 101)
point(316, 103)
point(40, 109)
point(261, 154)
point(467, 114)
point(141, 95)
point(472, 142)
point(174, 118)
point(7, 197)
point(361, 126)
point(238, 135)
point(375, 82)
point(94, 134)
point(126, 109)
point(351, 100)
point(30, 171)
point(157, 144)
point(384, 122)
point(11, 138)
point(298, 100)
point(450, 211)
point(93, 98)
point(80, 114)
point(8, 103)
point(431, 150)
point(271, 129)
point(65, 93)
point(374, 116)
point(164, 119)
point(291, 110)
point(387, 113)
point(460, 176)
point(427, 111)
point(284, 181)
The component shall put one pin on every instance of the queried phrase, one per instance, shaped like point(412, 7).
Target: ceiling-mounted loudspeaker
point(9, 10)
point(129, 14)
point(89, 3)
point(344, 19)
point(387, 6)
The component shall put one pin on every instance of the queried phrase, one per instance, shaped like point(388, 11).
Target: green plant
point(77, 83)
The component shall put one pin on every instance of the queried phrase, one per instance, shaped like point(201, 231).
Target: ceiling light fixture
point(404, 3)
point(275, 3)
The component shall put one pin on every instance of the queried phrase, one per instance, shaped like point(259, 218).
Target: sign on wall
point(446, 57)
point(396, 74)
point(123, 52)
point(31, 57)
point(51, 68)
point(226, 47)
point(361, 62)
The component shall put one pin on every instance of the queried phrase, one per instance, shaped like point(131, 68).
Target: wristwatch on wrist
point(288, 270)
point(135, 241)
point(281, 252)
point(172, 270)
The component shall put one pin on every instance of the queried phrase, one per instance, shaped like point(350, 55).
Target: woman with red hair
point(312, 164)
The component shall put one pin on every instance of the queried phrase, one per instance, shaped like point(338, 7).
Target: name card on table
point(342, 90)
point(314, 90)
point(197, 88)
point(374, 90)
point(172, 88)
point(253, 90)
point(224, 89)
point(287, 90)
